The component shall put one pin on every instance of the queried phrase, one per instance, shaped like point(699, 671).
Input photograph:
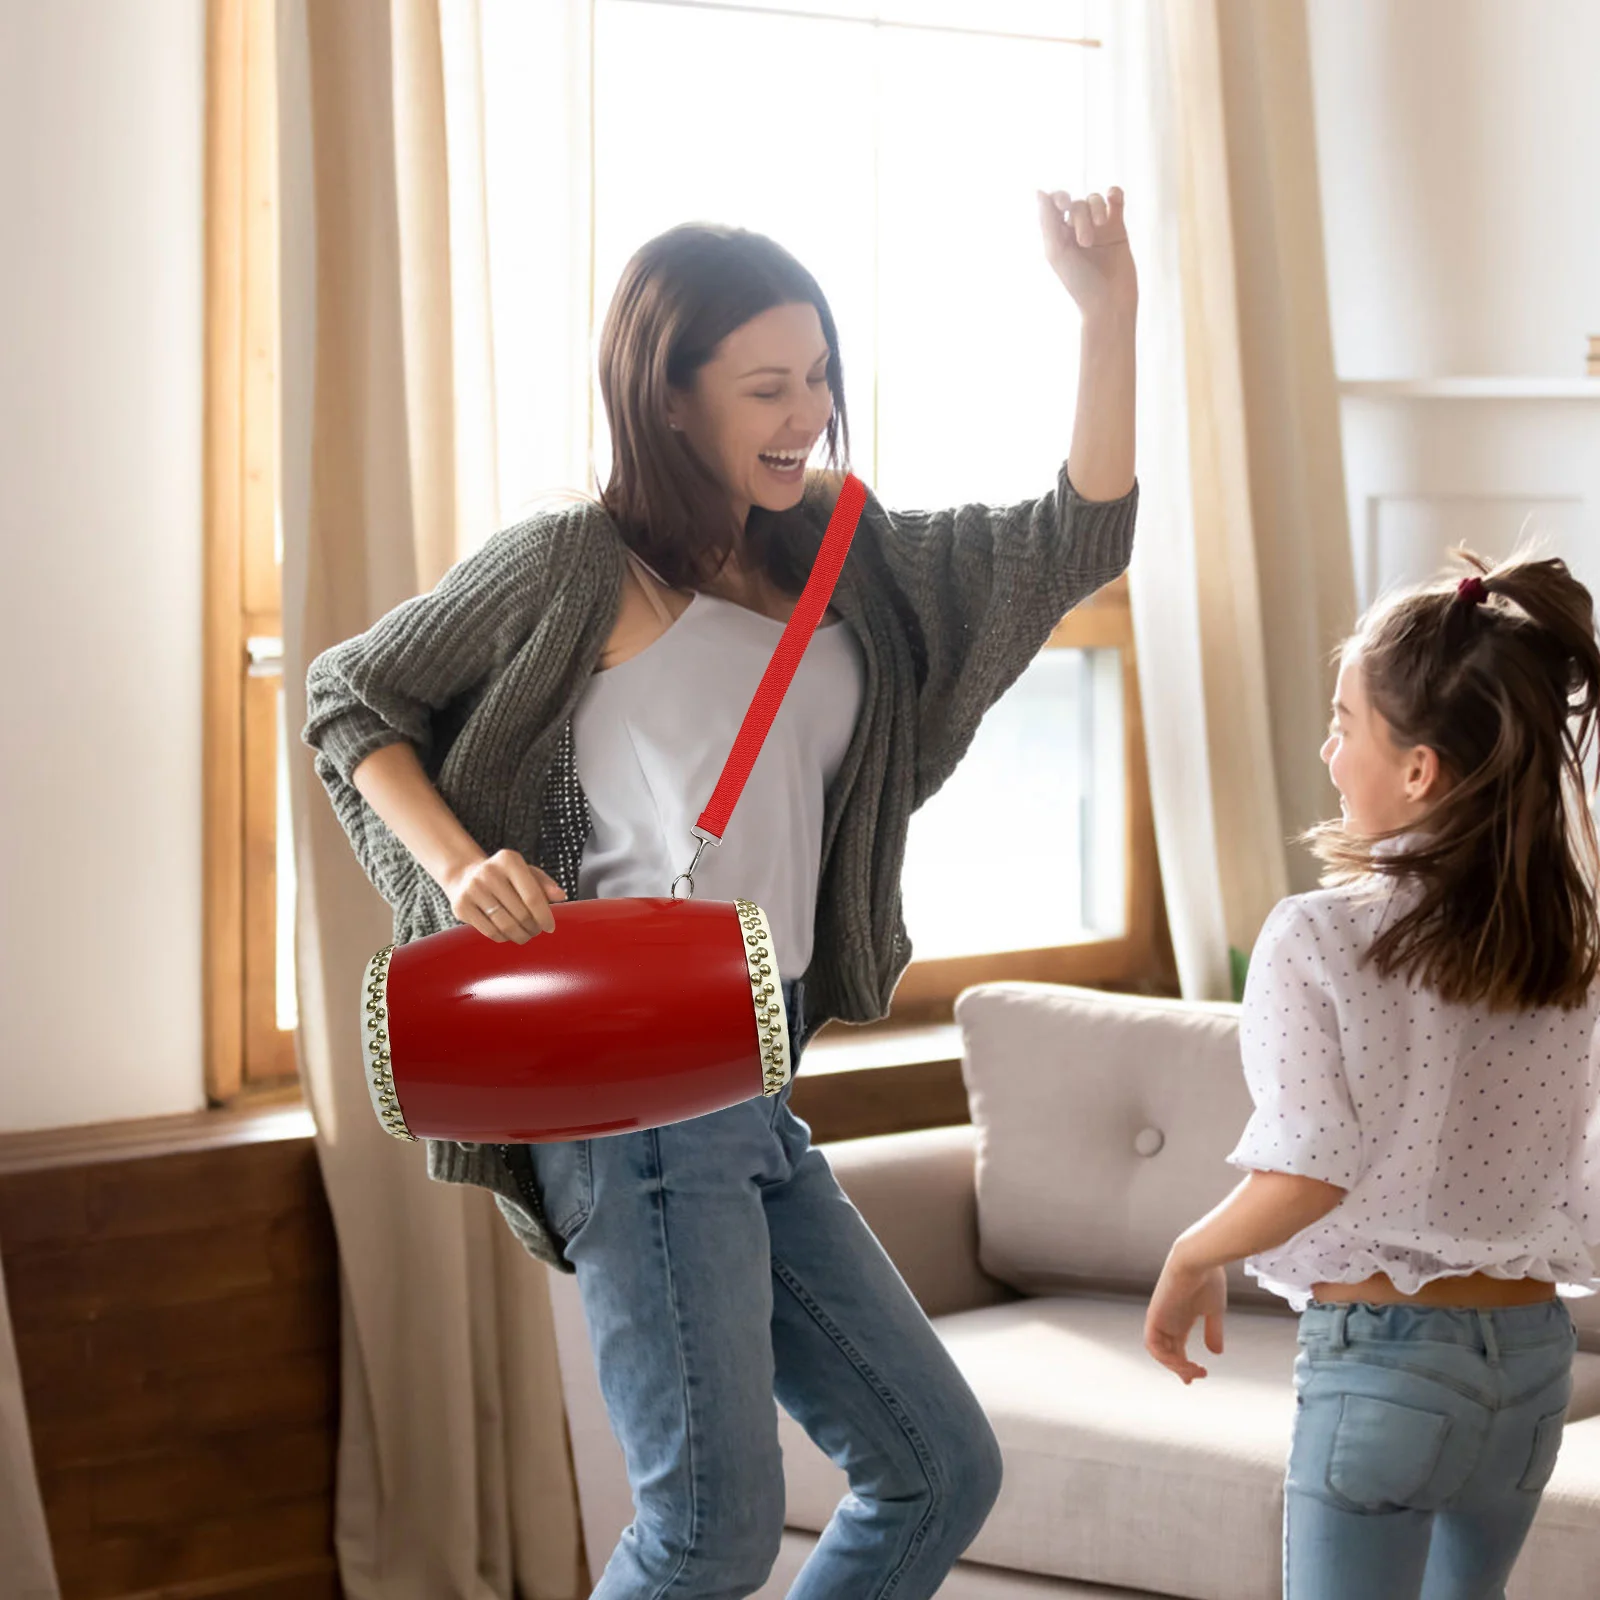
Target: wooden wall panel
point(176, 1319)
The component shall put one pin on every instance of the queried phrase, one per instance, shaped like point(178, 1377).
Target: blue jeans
point(720, 1266)
point(1422, 1442)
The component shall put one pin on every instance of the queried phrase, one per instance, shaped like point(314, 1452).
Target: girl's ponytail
point(1561, 611)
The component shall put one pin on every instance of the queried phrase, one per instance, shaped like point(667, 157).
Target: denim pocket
point(1384, 1455)
point(1542, 1457)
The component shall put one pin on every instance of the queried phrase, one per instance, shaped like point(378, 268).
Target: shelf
point(1470, 388)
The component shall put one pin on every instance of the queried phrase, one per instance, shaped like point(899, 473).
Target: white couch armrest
point(916, 1192)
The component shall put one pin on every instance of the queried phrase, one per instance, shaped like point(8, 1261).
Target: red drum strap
point(808, 612)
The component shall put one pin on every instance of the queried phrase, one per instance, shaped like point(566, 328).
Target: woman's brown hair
point(1499, 674)
point(680, 296)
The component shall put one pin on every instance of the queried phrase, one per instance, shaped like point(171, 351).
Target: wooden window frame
point(246, 1054)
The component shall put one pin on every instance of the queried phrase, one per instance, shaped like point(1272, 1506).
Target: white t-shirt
point(1469, 1140)
point(652, 733)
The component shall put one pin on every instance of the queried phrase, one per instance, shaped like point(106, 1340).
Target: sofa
point(1100, 1127)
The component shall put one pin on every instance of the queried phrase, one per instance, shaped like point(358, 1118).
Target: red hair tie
point(1472, 590)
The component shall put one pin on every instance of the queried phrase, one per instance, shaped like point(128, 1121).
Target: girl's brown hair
point(680, 296)
point(1499, 674)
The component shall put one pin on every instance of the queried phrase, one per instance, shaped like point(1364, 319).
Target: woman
point(547, 722)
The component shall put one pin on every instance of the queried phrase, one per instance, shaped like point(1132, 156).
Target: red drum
point(634, 1013)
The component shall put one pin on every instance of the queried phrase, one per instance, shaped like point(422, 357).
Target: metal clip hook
point(688, 877)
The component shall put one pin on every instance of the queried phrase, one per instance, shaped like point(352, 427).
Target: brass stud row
point(379, 1063)
point(770, 1025)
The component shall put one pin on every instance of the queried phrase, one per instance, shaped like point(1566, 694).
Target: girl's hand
point(1086, 243)
point(1184, 1295)
point(503, 897)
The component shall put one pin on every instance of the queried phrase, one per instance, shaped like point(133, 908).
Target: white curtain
point(454, 1479)
point(27, 1571)
point(1242, 578)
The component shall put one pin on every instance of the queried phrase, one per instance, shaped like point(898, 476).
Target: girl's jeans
point(1422, 1441)
point(720, 1266)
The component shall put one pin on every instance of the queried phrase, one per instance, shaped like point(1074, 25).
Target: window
point(1037, 859)
point(895, 148)
point(899, 163)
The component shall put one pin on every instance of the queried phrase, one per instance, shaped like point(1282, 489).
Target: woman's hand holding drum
point(503, 897)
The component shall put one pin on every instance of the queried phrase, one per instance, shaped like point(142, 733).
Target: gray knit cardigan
point(483, 674)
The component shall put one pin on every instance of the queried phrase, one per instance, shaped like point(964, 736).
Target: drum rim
point(766, 992)
point(375, 1045)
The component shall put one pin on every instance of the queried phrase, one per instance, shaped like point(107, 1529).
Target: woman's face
point(758, 407)
point(1383, 786)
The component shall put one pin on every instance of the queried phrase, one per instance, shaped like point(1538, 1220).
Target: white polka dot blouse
point(1469, 1140)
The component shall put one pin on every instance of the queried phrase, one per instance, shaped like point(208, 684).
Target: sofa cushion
point(1585, 1309)
point(1104, 1123)
point(915, 1192)
point(1116, 1473)
point(1562, 1554)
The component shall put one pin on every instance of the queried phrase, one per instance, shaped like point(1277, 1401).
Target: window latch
point(266, 655)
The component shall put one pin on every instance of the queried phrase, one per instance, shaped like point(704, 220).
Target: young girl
point(567, 696)
point(1418, 1037)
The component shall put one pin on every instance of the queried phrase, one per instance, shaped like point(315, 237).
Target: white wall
point(1459, 155)
point(1459, 146)
point(101, 165)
